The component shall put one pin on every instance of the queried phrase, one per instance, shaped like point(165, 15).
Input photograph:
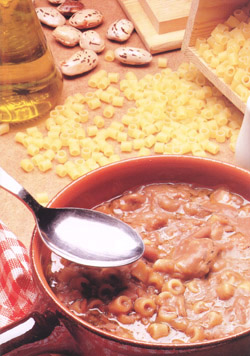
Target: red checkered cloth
point(17, 290)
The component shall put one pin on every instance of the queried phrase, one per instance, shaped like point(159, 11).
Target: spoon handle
point(11, 185)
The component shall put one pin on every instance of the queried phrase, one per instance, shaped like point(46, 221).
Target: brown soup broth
point(193, 281)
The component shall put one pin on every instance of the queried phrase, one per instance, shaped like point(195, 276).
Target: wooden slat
point(203, 18)
point(211, 75)
point(168, 15)
point(153, 41)
point(206, 15)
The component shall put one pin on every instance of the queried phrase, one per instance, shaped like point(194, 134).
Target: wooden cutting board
point(159, 23)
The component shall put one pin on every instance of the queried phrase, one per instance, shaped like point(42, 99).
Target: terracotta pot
point(53, 328)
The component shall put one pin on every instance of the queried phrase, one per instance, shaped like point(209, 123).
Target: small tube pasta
point(144, 151)
point(94, 103)
point(4, 128)
point(144, 306)
point(158, 330)
point(92, 130)
point(121, 136)
point(211, 147)
point(106, 97)
point(120, 305)
point(174, 286)
point(126, 146)
point(36, 159)
point(42, 198)
point(27, 165)
point(113, 77)
point(159, 147)
point(61, 156)
point(162, 62)
point(99, 121)
point(32, 150)
point(118, 101)
point(109, 56)
point(20, 137)
point(109, 111)
point(74, 149)
point(103, 83)
point(86, 152)
point(44, 165)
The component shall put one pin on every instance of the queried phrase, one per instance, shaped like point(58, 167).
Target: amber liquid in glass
point(30, 83)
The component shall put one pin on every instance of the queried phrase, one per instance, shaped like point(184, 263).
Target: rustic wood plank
point(168, 15)
point(153, 41)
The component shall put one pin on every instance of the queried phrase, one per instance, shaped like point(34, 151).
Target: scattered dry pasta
point(109, 56)
point(4, 128)
point(42, 198)
point(170, 112)
point(27, 165)
point(162, 62)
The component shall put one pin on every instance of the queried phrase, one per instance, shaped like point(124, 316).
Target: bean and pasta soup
point(193, 281)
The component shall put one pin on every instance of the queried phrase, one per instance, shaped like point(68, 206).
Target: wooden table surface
point(12, 212)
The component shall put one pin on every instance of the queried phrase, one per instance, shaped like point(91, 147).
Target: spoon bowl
point(89, 237)
point(84, 236)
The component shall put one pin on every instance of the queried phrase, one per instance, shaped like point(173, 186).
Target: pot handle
point(37, 334)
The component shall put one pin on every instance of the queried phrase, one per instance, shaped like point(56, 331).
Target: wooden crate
point(160, 24)
point(204, 16)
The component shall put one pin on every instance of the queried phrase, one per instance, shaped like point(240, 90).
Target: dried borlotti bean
point(86, 18)
point(120, 30)
point(132, 55)
point(67, 35)
point(92, 40)
point(80, 62)
point(56, 2)
point(50, 16)
point(70, 7)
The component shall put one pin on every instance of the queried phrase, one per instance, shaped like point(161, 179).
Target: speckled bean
point(132, 55)
point(56, 2)
point(92, 40)
point(67, 35)
point(120, 30)
point(80, 62)
point(50, 16)
point(86, 18)
point(70, 7)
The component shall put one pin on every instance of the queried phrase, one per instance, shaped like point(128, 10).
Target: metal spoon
point(83, 236)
